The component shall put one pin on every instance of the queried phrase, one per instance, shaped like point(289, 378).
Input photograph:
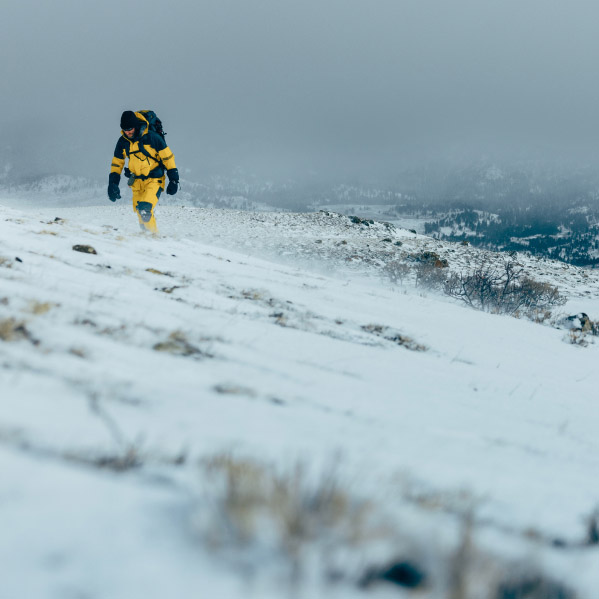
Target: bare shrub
point(430, 275)
point(541, 316)
point(396, 271)
point(428, 268)
point(502, 288)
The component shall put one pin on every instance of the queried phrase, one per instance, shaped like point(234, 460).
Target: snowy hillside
point(244, 406)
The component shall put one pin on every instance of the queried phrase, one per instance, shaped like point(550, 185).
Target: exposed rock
point(86, 249)
point(431, 258)
point(401, 573)
point(361, 221)
point(578, 322)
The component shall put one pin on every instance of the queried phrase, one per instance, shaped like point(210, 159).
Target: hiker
point(149, 158)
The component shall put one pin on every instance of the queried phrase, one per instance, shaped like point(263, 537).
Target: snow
point(248, 333)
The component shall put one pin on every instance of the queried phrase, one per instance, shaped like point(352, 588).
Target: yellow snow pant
point(145, 197)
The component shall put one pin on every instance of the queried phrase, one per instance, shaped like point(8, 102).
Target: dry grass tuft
point(234, 389)
point(575, 337)
point(394, 336)
point(178, 345)
point(258, 505)
point(39, 308)
point(15, 330)
point(252, 294)
point(168, 289)
point(159, 272)
point(266, 518)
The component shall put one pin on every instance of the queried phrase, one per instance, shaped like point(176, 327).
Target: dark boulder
point(402, 573)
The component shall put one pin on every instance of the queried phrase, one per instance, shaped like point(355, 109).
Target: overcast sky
point(285, 87)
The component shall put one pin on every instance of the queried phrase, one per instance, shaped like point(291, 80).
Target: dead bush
point(396, 271)
point(502, 287)
point(429, 270)
point(430, 275)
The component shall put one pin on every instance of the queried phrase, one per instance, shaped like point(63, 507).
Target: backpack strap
point(147, 154)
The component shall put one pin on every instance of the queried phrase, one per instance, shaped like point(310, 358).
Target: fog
point(328, 88)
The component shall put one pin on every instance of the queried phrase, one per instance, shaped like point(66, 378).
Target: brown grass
point(13, 330)
point(178, 344)
point(39, 308)
point(257, 503)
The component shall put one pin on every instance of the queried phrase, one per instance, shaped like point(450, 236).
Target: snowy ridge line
point(157, 354)
point(330, 242)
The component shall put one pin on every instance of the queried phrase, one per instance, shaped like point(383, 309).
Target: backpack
point(155, 124)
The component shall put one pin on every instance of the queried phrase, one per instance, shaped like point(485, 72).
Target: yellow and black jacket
point(149, 156)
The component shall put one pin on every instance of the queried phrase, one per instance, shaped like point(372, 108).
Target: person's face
point(129, 132)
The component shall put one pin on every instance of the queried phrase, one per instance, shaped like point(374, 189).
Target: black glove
point(172, 187)
point(173, 181)
point(114, 193)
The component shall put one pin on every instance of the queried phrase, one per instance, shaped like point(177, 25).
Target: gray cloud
point(285, 87)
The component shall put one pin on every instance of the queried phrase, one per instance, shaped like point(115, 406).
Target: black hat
point(129, 120)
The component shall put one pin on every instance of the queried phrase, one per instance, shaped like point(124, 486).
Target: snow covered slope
point(272, 339)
